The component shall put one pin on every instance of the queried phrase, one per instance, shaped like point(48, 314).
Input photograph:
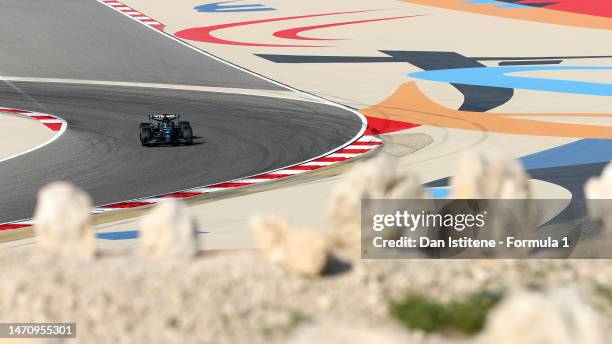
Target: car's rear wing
point(165, 116)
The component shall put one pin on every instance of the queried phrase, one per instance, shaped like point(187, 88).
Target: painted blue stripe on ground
point(439, 192)
point(123, 235)
point(220, 8)
point(497, 77)
point(127, 235)
point(585, 151)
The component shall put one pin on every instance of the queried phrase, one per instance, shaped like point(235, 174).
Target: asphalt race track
point(238, 135)
point(83, 39)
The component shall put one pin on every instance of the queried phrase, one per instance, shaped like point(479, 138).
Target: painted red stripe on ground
point(54, 126)
point(378, 126)
point(601, 8)
point(205, 34)
point(352, 151)
point(147, 20)
point(337, 159)
point(8, 226)
point(14, 111)
point(271, 176)
point(182, 195)
point(303, 168)
point(230, 185)
point(366, 143)
point(294, 33)
point(41, 117)
point(123, 205)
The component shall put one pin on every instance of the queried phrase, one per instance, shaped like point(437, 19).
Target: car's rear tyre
point(145, 135)
point(143, 125)
point(187, 134)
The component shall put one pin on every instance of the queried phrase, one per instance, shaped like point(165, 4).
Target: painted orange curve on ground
point(409, 104)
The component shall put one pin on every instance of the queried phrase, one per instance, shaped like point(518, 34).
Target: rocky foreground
point(240, 298)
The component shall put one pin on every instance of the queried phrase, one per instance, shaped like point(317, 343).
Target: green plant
point(604, 291)
point(465, 316)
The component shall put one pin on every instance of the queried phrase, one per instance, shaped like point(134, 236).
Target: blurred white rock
point(379, 178)
point(489, 174)
point(298, 250)
point(63, 221)
point(306, 252)
point(168, 230)
point(597, 189)
point(270, 233)
point(493, 175)
point(560, 317)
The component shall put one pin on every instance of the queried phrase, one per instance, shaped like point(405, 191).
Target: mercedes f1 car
point(165, 129)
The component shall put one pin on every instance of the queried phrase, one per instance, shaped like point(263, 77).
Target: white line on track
point(243, 91)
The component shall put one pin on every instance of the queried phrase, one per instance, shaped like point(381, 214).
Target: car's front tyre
point(146, 133)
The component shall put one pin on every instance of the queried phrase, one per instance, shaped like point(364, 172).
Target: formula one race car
point(164, 129)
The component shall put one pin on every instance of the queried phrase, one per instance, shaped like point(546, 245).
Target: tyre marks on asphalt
point(362, 146)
